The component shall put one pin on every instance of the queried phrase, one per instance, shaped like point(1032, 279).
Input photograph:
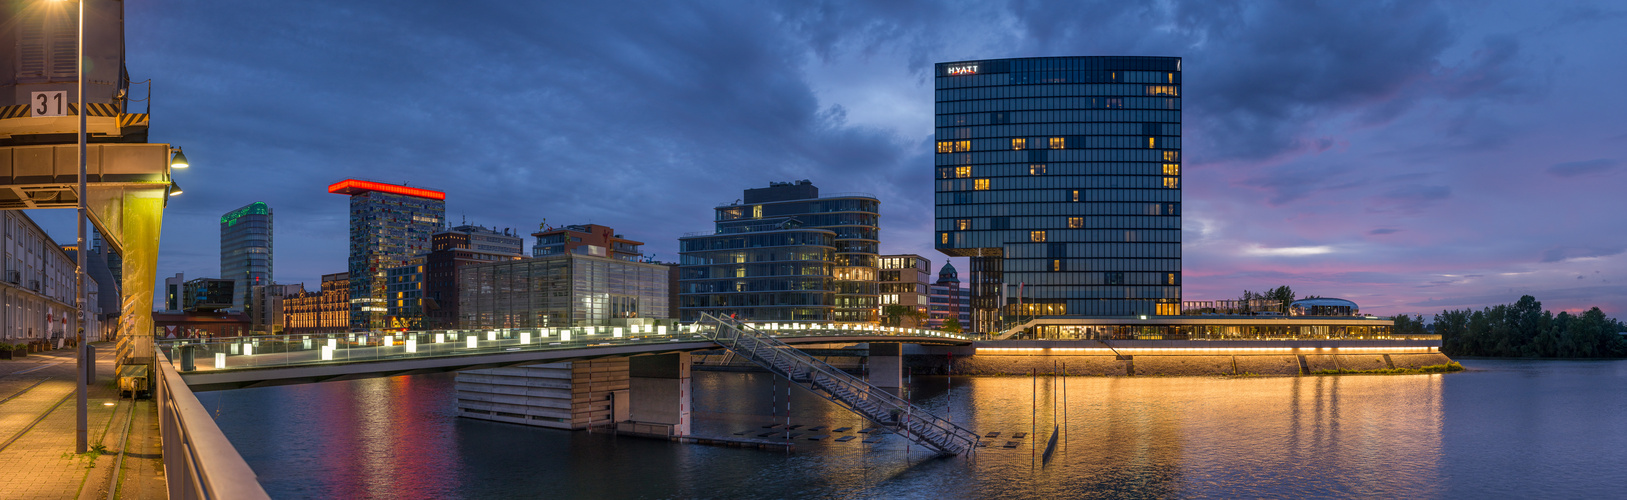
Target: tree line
point(1522, 329)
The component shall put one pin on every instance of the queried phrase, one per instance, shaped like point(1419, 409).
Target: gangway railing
point(877, 405)
point(199, 462)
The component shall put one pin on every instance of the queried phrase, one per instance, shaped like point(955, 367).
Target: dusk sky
point(1409, 156)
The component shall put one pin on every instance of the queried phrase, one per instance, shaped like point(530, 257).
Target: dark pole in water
point(1033, 411)
point(1064, 401)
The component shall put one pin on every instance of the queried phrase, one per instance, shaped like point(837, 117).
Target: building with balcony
point(1060, 179)
point(905, 281)
point(585, 239)
point(784, 253)
point(389, 226)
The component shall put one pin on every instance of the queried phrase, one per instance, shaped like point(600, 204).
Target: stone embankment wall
point(1166, 365)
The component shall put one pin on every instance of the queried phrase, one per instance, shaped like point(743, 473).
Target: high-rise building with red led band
point(389, 225)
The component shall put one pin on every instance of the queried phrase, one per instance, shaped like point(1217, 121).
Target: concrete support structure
point(572, 395)
point(659, 395)
point(886, 364)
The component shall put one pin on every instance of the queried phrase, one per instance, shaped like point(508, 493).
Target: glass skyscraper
point(389, 226)
point(245, 250)
point(785, 254)
point(1060, 177)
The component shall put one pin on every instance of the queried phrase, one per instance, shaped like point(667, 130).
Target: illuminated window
point(1036, 236)
point(1057, 143)
point(963, 145)
point(1056, 265)
point(1019, 143)
point(1036, 169)
point(1172, 78)
point(963, 172)
point(980, 184)
point(1172, 182)
point(757, 212)
point(1172, 169)
point(1169, 90)
point(1150, 142)
point(946, 147)
point(963, 224)
point(945, 238)
point(1172, 156)
point(1076, 222)
point(1076, 195)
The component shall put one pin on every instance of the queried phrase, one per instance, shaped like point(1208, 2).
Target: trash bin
point(187, 361)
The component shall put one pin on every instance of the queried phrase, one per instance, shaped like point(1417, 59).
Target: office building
point(1060, 179)
point(451, 250)
point(567, 290)
point(950, 304)
point(585, 239)
point(783, 253)
point(403, 296)
point(389, 226)
point(38, 292)
point(266, 308)
point(904, 280)
point(174, 288)
point(208, 295)
point(245, 252)
point(326, 310)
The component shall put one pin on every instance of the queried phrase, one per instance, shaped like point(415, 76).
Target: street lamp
point(174, 189)
point(178, 160)
point(82, 351)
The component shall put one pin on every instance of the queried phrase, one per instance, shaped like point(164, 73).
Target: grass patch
point(1443, 368)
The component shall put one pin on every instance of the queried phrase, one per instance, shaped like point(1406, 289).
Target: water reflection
point(1368, 436)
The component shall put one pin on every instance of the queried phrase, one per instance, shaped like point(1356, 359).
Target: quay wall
point(1173, 358)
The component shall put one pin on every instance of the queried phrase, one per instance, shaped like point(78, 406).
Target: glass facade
point(245, 250)
point(1060, 178)
point(560, 291)
point(387, 230)
point(785, 254)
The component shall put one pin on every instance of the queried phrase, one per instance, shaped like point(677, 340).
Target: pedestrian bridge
point(268, 360)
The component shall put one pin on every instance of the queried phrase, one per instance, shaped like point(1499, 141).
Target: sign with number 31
point(52, 103)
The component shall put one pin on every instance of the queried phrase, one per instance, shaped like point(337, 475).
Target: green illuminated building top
point(245, 250)
point(256, 208)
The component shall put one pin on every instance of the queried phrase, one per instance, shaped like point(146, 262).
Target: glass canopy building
point(785, 254)
point(245, 250)
point(1060, 177)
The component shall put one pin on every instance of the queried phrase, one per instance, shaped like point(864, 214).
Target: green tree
point(952, 325)
point(1281, 296)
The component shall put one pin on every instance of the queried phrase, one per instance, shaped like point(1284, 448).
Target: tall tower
point(245, 250)
point(1060, 177)
point(389, 225)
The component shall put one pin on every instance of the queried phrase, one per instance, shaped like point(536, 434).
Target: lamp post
point(82, 351)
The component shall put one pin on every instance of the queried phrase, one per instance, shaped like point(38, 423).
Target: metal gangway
point(877, 405)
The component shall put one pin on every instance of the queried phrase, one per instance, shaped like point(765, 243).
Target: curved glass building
point(1060, 177)
point(783, 253)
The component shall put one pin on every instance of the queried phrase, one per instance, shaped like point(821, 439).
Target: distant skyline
point(1411, 157)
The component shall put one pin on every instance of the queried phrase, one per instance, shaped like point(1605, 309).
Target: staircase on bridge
point(877, 405)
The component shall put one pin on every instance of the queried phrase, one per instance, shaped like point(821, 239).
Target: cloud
point(1580, 168)
point(1257, 250)
point(1560, 254)
point(1411, 198)
point(1383, 231)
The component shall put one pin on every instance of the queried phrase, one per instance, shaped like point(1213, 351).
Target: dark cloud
point(1577, 168)
point(1411, 198)
point(1383, 231)
point(1559, 254)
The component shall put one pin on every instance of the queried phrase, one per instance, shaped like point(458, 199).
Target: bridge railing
point(272, 351)
point(199, 461)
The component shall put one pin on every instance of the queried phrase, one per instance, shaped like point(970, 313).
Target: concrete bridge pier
point(658, 395)
point(886, 364)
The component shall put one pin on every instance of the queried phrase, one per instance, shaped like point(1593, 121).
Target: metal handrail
point(198, 459)
point(943, 435)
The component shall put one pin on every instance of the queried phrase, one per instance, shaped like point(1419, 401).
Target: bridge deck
point(293, 359)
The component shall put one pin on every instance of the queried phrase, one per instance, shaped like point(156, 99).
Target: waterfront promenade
point(37, 433)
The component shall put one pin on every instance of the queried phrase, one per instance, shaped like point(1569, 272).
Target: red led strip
point(353, 186)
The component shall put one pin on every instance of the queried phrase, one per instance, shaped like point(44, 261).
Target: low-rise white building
point(37, 290)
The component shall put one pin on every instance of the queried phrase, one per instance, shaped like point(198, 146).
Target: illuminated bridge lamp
point(389, 341)
point(327, 351)
point(220, 360)
point(333, 343)
point(440, 338)
point(491, 335)
point(471, 341)
point(661, 330)
point(307, 342)
point(616, 332)
point(412, 345)
point(590, 330)
point(235, 347)
point(545, 332)
point(525, 337)
point(248, 350)
point(564, 335)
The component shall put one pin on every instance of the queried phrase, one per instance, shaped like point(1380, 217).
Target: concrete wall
point(1166, 365)
point(557, 395)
